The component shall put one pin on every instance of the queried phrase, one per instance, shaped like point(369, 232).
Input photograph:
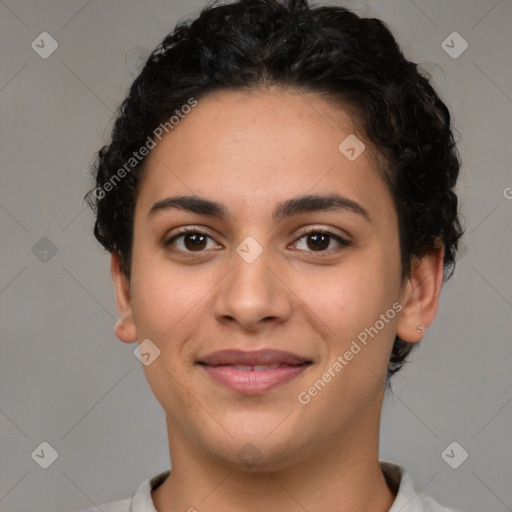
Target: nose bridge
point(251, 292)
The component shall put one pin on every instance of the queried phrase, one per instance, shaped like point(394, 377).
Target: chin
point(258, 451)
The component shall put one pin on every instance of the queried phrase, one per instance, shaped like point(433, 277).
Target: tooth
point(244, 368)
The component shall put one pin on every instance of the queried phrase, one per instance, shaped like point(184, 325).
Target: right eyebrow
point(193, 204)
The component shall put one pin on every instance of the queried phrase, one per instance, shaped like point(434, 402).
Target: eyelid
point(323, 229)
point(168, 239)
point(343, 241)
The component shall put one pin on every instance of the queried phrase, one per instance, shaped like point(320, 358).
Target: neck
point(340, 475)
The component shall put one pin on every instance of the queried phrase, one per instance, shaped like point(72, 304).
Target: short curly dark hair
point(353, 61)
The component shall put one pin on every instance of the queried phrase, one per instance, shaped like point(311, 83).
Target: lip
point(235, 369)
point(255, 357)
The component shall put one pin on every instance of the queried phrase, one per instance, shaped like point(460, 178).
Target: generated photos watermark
point(305, 397)
point(143, 151)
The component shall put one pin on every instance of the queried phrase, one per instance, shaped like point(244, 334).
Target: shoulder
point(407, 499)
point(431, 505)
point(114, 506)
point(140, 502)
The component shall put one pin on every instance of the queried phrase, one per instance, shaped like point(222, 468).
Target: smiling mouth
point(254, 379)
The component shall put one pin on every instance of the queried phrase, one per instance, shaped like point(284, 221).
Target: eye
point(317, 240)
point(192, 240)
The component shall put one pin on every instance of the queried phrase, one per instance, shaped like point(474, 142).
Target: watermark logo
point(249, 249)
point(44, 45)
point(454, 455)
point(45, 455)
point(351, 147)
point(249, 455)
point(146, 352)
point(454, 45)
point(44, 250)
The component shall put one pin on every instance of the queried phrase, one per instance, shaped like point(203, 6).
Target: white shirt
point(406, 500)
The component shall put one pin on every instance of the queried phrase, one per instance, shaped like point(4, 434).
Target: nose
point(252, 296)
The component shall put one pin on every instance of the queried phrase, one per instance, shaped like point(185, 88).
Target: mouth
point(253, 372)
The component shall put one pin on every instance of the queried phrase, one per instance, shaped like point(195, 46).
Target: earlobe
point(420, 296)
point(125, 328)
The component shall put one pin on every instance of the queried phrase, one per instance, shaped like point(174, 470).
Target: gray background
point(64, 377)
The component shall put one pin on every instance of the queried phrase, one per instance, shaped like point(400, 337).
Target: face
point(309, 278)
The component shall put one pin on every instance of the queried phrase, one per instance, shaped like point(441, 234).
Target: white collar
point(406, 500)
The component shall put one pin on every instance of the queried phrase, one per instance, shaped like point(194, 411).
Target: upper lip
point(256, 357)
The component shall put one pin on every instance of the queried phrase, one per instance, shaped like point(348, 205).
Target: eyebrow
point(285, 209)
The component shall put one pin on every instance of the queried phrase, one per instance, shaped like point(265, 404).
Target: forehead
point(254, 149)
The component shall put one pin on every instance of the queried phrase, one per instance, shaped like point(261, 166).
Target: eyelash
point(342, 241)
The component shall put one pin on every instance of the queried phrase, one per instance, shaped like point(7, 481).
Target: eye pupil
point(198, 240)
point(320, 241)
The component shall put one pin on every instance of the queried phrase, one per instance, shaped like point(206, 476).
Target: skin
point(250, 152)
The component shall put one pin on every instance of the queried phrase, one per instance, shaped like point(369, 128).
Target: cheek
point(351, 296)
point(166, 298)
point(358, 309)
point(167, 307)
point(355, 302)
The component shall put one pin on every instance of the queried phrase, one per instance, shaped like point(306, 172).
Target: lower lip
point(253, 381)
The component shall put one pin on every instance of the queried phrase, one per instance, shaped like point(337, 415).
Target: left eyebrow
point(318, 203)
point(290, 207)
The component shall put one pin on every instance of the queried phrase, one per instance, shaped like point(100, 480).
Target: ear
point(420, 296)
point(125, 328)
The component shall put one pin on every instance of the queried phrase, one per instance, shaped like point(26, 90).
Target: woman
point(278, 201)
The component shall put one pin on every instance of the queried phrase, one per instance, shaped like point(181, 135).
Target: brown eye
point(320, 241)
point(193, 241)
point(190, 241)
